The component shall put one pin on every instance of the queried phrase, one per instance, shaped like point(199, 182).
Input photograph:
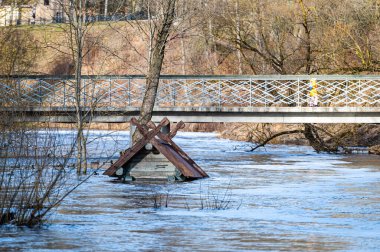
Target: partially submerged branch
point(266, 141)
point(321, 139)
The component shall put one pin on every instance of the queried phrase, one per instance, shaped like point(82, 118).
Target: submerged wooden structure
point(155, 156)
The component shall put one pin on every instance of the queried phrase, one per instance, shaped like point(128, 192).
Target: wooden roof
point(164, 144)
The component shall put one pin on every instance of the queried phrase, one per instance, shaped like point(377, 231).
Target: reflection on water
point(280, 198)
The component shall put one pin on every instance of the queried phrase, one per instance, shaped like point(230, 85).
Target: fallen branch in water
point(267, 140)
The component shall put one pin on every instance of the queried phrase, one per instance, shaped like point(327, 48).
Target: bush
point(33, 172)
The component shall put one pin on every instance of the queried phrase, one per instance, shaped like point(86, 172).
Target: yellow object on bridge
point(313, 87)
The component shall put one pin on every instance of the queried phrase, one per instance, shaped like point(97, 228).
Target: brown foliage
point(18, 51)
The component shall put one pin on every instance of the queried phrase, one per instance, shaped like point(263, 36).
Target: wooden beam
point(135, 148)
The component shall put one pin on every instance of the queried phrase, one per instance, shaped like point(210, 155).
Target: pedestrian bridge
point(266, 99)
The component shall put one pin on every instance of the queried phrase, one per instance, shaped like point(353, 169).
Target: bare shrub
point(220, 200)
point(34, 169)
point(18, 51)
point(159, 200)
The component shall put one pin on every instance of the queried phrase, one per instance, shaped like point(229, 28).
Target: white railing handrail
point(194, 90)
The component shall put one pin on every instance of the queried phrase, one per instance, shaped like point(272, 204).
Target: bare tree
point(81, 37)
point(36, 171)
point(160, 33)
point(18, 50)
point(353, 36)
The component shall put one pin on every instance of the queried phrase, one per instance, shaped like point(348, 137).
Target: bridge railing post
point(173, 93)
point(346, 93)
point(54, 93)
point(360, 95)
point(19, 89)
point(265, 93)
point(109, 92)
point(220, 93)
point(250, 92)
point(39, 92)
point(64, 93)
point(203, 91)
point(129, 91)
point(298, 93)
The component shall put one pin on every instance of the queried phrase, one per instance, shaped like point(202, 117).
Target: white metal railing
point(192, 91)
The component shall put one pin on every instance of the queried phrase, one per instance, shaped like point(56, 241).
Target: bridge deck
point(271, 99)
point(209, 114)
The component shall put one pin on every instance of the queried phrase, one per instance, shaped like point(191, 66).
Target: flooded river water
point(279, 198)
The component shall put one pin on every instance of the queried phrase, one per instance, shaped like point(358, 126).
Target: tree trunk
point(183, 56)
point(238, 51)
point(78, 59)
point(78, 107)
point(155, 65)
point(311, 134)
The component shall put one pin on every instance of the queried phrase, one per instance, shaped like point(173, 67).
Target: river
point(279, 198)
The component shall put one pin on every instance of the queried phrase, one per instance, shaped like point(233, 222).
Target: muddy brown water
point(281, 198)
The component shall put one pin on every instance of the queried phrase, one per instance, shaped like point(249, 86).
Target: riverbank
point(363, 135)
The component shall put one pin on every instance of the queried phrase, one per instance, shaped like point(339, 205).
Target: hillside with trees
point(207, 37)
point(236, 37)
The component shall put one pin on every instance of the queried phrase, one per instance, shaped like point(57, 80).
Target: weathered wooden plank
point(167, 139)
point(170, 160)
point(135, 148)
